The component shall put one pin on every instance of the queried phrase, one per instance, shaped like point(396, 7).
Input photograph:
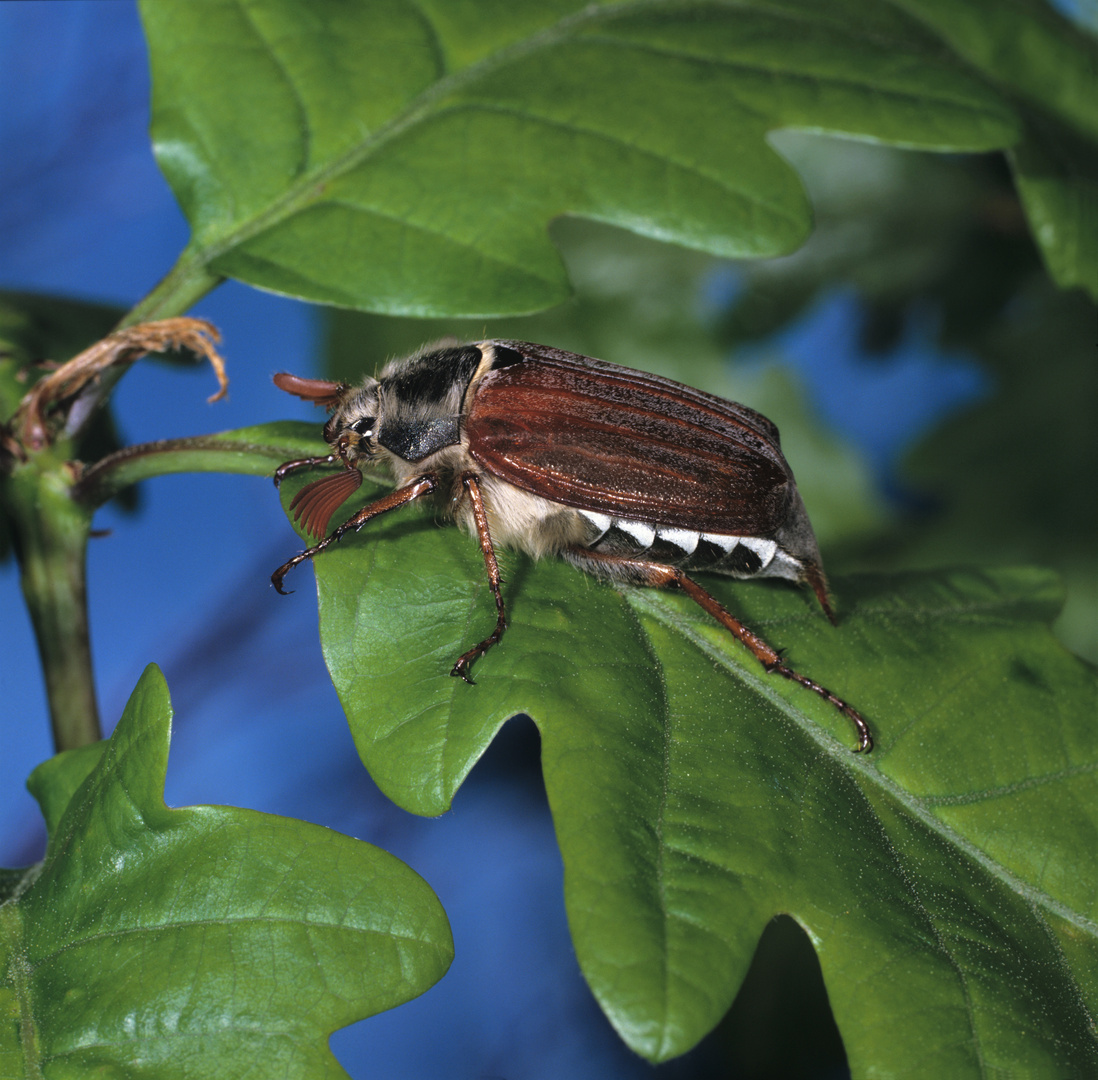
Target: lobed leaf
point(1057, 177)
point(407, 158)
point(1026, 46)
point(946, 880)
point(203, 941)
point(1047, 65)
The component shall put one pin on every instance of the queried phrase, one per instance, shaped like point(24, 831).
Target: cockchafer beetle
point(629, 476)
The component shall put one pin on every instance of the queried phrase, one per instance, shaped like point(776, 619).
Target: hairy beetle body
point(629, 476)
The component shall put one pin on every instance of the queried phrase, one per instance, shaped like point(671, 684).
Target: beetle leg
point(423, 486)
point(288, 467)
point(656, 575)
point(480, 515)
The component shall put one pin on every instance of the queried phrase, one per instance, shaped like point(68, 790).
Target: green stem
point(51, 537)
point(249, 451)
point(185, 284)
point(51, 530)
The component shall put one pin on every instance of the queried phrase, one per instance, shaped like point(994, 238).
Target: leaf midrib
point(18, 975)
point(181, 925)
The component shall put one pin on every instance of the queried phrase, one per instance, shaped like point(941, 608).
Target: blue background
point(84, 212)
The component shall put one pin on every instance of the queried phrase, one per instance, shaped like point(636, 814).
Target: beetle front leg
point(288, 467)
point(415, 490)
point(480, 516)
point(657, 575)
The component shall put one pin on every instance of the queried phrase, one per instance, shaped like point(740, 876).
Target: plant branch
point(250, 451)
point(51, 537)
point(51, 527)
point(178, 291)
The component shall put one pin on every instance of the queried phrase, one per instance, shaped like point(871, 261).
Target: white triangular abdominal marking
point(681, 538)
point(644, 535)
point(725, 543)
point(602, 522)
point(765, 549)
point(685, 539)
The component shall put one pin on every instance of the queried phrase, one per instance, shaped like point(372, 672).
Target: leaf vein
point(184, 925)
point(868, 773)
point(304, 128)
point(1013, 788)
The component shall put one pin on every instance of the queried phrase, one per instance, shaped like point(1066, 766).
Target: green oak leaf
point(1057, 177)
point(1026, 46)
point(203, 941)
point(406, 158)
point(946, 880)
point(1047, 65)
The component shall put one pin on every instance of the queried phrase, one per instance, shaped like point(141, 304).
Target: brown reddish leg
point(656, 575)
point(418, 488)
point(284, 470)
point(480, 515)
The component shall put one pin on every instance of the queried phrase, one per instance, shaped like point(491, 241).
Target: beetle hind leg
point(480, 516)
point(657, 575)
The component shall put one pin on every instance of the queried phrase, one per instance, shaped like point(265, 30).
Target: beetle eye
point(365, 426)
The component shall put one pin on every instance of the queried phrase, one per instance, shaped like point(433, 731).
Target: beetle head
point(352, 428)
